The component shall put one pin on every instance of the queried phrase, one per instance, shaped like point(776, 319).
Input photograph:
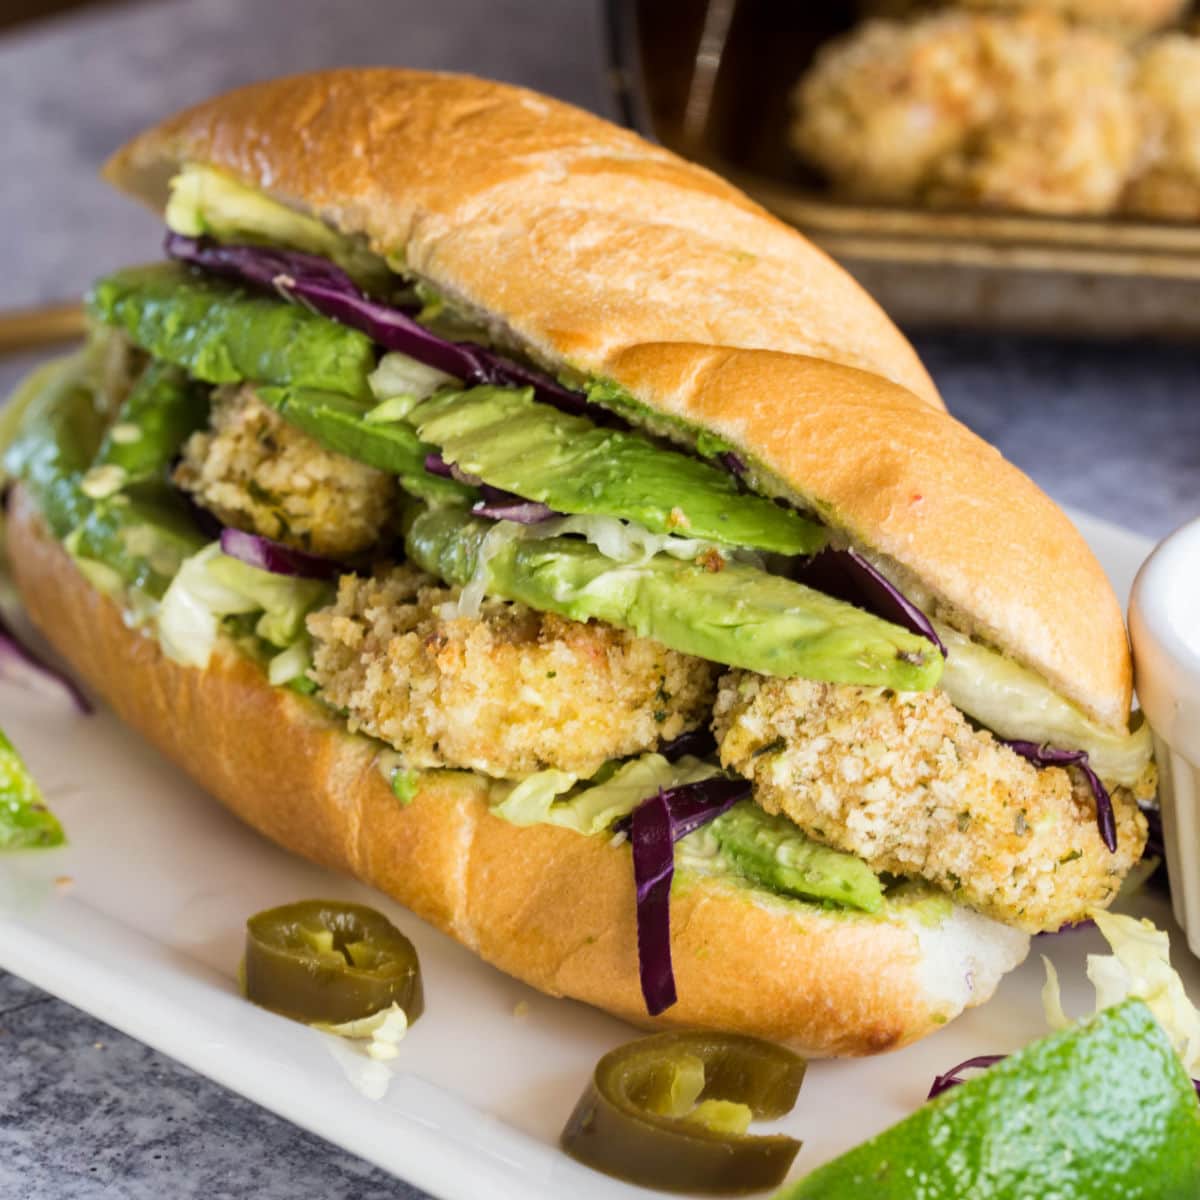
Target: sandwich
point(486, 503)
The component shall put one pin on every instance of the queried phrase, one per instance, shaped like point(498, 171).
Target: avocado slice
point(140, 536)
point(511, 441)
point(60, 431)
point(143, 535)
point(772, 851)
point(206, 202)
point(162, 409)
point(25, 821)
point(740, 615)
point(1102, 1110)
point(340, 424)
point(222, 333)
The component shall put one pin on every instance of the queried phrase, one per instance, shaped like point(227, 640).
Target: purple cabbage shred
point(520, 512)
point(1050, 756)
point(1069, 927)
point(495, 504)
point(435, 464)
point(733, 463)
point(953, 1077)
point(257, 551)
point(847, 575)
point(698, 742)
point(325, 288)
point(18, 661)
point(656, 825)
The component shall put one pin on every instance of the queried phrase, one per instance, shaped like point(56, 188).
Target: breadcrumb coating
point(508, 693)
point(256, 472)
point(906, 783)
point(1128, 17)
point(968, 109)
point(1168, 87)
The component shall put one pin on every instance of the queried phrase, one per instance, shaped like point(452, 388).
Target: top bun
point(582, 237)
point(598, 250)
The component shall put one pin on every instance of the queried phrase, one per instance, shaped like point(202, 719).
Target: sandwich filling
point(487, 568)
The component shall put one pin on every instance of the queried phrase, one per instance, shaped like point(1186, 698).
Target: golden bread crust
point(546, 905)
point(581, 236)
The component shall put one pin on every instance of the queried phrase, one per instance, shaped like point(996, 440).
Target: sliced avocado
point(161, 410)
point(771, 851)
point(1099, 1111)
point(59, 434)
point(740, 615)
point(510, 440)
point(221, 333)
point(206, 202)
point(25, 821)
point(340, 424)
point(140, 536)
point(143, 535)
point(30, 387)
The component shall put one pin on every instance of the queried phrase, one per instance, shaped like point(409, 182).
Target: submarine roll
point(491, 505)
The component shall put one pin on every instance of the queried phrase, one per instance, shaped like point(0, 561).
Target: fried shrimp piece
point(1131, 18)
point(256, 472)
point(508, 693)
point(977, 110)
point(903, 781)
point(1168, 86)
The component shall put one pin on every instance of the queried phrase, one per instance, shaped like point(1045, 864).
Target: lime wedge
point(25, 821)
point(1102, 1110)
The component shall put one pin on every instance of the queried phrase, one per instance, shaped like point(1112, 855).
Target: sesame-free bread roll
point(602, 253)
point(580, 237)
point(549, 906)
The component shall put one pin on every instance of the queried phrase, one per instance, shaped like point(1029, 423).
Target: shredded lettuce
point(399, 376)
point(531, 802)
point(628, 541)
point(383, 1031)
point(1056, 1016)
point(292, 663)
point(624, 542)
point(1016, 703)
point(1139, 966)
point(285, 600)
point(211, 585)
point(470, 599)
point(556, 798)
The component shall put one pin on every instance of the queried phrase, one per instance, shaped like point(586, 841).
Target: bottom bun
point(549, 906)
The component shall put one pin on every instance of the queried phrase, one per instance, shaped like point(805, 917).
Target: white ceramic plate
point(147, 936)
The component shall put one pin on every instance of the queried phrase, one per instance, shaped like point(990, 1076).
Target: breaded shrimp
point(906, 783)
point(507, 693)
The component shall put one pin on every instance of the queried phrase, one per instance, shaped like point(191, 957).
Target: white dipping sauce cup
point(1164, 624)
